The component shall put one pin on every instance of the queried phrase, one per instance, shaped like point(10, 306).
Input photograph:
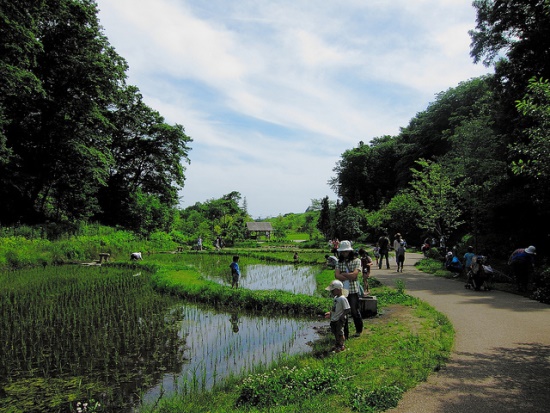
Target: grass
point(434, 267)
point(396, 351)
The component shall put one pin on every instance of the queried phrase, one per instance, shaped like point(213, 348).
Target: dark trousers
point(384, 253)
point(353, 300)
point(521, 272)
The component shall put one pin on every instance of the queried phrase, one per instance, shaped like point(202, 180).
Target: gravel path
point(501, 359)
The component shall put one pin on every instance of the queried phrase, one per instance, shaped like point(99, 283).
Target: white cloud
point(273, 92)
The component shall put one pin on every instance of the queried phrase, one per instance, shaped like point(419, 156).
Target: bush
point(287, 385)
point(542, 287)
point(377, 400)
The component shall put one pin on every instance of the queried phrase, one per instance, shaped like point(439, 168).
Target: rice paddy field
point(169, 334)
point(75, 333)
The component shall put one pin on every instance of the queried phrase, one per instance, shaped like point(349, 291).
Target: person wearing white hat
point(347, 270)
point(522, 263)
point(339, 314)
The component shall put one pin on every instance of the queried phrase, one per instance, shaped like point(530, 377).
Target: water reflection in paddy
point(297, 279)
point(222, 344)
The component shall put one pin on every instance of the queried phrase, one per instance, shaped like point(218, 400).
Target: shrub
point(287, 385)
point(542, 287)
point(377, 400)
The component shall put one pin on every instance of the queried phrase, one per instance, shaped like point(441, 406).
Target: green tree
point(349, 223)
point(435, 194)
point(324, 222)
point(55, 131)
point(514, 36)
point(365, 176)
point(534, 154)
point(148, 157)
point(402, 214)
point(215, 217)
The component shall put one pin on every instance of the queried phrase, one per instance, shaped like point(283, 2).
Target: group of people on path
point(382, 251)
point(521, 263)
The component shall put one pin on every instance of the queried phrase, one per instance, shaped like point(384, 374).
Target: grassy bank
point(397, 350)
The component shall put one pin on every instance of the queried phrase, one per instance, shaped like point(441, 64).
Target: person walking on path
point(347, 271)
point(522, 264)
point(384, 245)
point(501, 356)
point(399, 245)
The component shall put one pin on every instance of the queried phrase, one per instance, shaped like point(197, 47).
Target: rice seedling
point(102, 325)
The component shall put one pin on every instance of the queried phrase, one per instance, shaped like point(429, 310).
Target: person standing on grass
point(338, 315)
point(366, 263)
point(347, 271)
point(235, 272)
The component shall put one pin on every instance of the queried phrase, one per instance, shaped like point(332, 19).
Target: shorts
point(400, 258)
point(235, 277)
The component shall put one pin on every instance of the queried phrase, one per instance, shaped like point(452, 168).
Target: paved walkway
point(501, 359)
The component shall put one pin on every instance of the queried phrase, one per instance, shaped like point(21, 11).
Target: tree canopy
point(75, 141)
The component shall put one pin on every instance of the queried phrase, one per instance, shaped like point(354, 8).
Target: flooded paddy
point(75, 333)
point(219, 345)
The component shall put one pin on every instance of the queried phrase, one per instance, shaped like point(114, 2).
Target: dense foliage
point(482, 147)
point(75, 141)
point(79, 144)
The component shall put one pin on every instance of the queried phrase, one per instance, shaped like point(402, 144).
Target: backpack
point(383, 243)
point(401, 249)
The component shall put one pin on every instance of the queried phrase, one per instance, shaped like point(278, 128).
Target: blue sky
point(274, 91)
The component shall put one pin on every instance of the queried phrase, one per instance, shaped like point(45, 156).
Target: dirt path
point(501, 359)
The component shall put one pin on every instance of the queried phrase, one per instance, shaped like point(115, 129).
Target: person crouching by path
point(339, 314)
point(347, 271)
point(235, 272)
point(366, 263)
point(522, 263)
point(136, 256)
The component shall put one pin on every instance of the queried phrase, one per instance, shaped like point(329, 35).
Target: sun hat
point(345, 246)
point(449, 254)
point(531, 250)
point(334, 285)
point(337, 284)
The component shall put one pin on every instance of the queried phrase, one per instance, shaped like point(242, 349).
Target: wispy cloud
point(273, 92)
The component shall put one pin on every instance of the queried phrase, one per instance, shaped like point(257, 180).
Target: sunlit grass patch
point(432, 266)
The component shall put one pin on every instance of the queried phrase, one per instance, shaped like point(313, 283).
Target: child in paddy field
point(339, 313)
point(235, 272)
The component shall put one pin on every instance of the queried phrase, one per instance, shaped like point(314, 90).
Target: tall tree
point(433, 190)
point(514, 36)
point(147, 156)
point(56, 131)
point(324, 222)
point(365, 176)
